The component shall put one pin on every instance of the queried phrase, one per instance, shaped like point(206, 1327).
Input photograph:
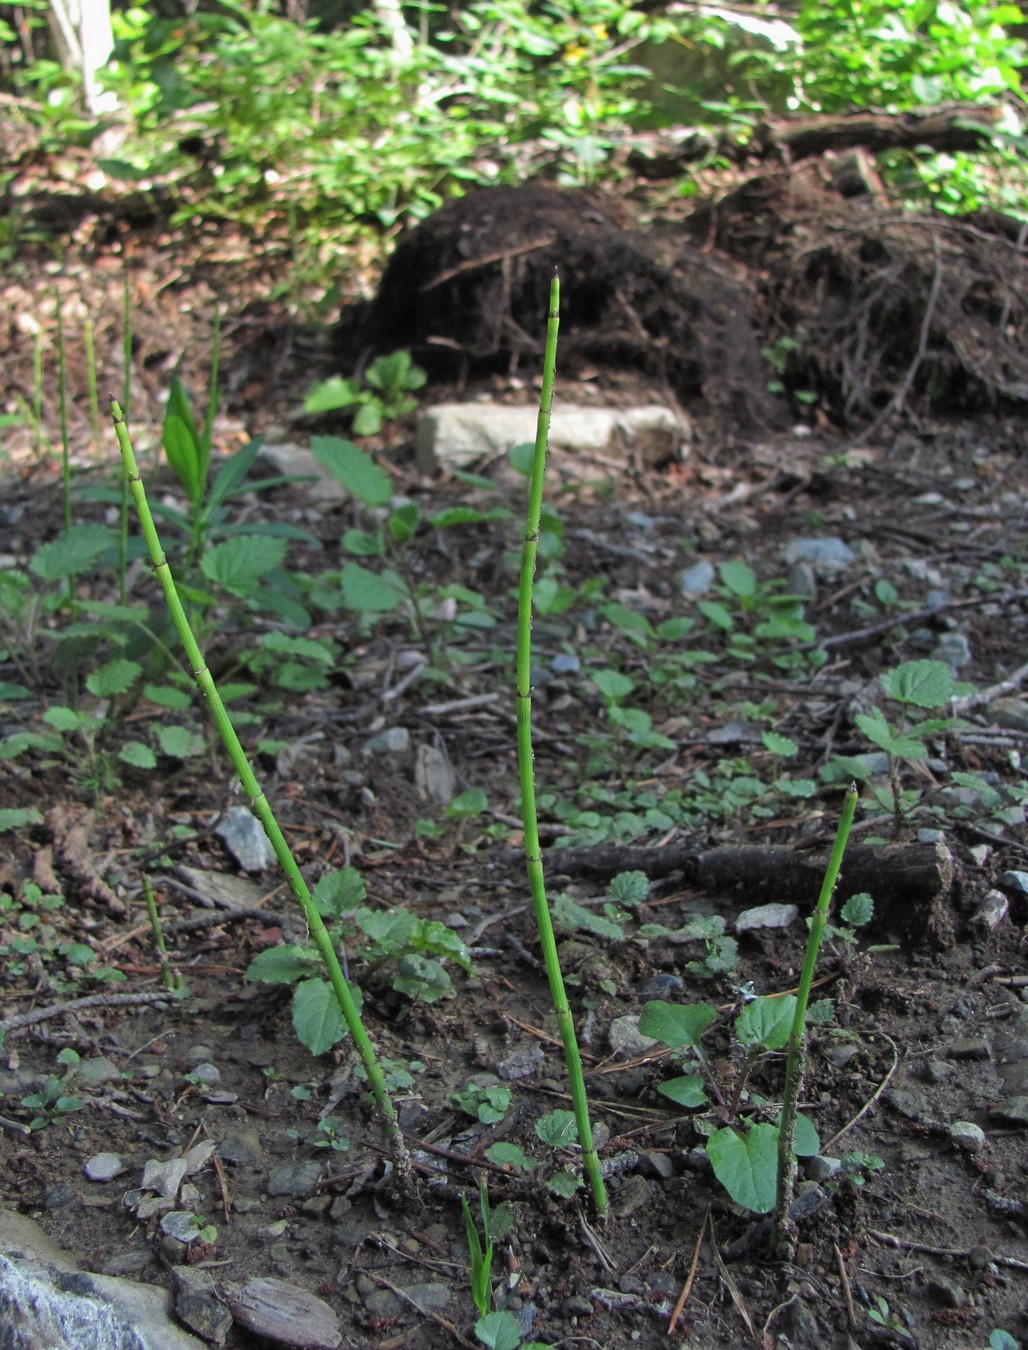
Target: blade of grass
point(261, 807)
point(795, 1066)
point(533, 853)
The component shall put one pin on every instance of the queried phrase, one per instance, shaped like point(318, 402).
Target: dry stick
point(74, 1005)
point(262, 809)
point(533, 851)
point(690, 1279)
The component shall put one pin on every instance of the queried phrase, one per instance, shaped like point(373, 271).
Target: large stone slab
point(457, 434)
point(47, 1300)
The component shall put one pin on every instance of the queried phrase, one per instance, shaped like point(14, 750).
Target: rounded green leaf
point(676, 1024)
point(137, 754)
point(746, 1165)
point(368, 592)
point(687, 1091)
point(766, 1022)
point(317, 1018)
point(557, 1129)
point(612, 684)
point(499, 1331)
point(504, 1154)
point(114, 677)
point(739, 578)
point(281, 965)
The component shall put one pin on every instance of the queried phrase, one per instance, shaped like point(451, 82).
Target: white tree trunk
point(82, 32)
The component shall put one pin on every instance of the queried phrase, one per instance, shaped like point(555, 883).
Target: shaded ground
point(925, 1032)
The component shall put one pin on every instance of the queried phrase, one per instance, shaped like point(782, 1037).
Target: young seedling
point(480, 1252)
point(339, 989)
point(782, 1232)
point(533, 851)
point(172, 979)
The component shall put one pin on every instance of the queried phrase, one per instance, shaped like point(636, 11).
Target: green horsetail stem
point(533, 854)
point(795, 1067)
point(261, 807)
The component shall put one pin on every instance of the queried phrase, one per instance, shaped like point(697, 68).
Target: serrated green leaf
point(284, 964)
point(612, 684)
point(781, 746)
point(72, 552)
point(330, 395)
point(370, 592)
point(364, 543)
point(557, 1129)
point(239, 563)
point(686, 1091)
point(62, 719)
point(137, 754)
point(317, 1019)
point(167, 696)
point(339, 892)
point(877, 730)
point(504, 1154)
point(746, 1165)
point(924, 684)
point(568, 913)
point(179, 742)
point(114, 677)
point(564, 1184)
point(403, 523)
point(629, 888)
point(354, 468)
point(676, 1024)
point(858, 910)
point(766, 1022)
point(715, 613)
point(467, 804)
point(17, 817)
point(466, 515)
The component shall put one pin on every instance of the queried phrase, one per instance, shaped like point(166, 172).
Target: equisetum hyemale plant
point(795, 1061)
point(533, 853)
point(261, 807)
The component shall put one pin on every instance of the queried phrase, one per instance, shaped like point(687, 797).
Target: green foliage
point(395, 944)
point(480, 1251)
point(743, 1152)
point(54, 1101)
point(487, 1102)
point(384, 392)
point(34, 945)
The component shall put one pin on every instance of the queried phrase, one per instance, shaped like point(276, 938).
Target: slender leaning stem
point(533, 853)
point(261, 807)
point(795, 1067)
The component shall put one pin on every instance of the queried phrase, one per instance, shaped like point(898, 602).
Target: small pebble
point(766, 916)
point(104, 1167)
point(968, 1136)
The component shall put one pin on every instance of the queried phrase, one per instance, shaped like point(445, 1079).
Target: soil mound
point(467, 291)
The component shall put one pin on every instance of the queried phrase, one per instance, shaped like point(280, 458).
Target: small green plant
point(340, 998)
point(1002, 1340)
point(882, 1316)
point(327, 1133)
point(383, 393)
point(398, 947)
point(558, 1131)
point(487, 1102)
point(480, 1251)
point(33, 945)
point(373, 594)
point(916, 686)
point(55, 1100)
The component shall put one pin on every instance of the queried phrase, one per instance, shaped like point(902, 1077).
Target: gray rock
point(802, 581)
point(104, 1167)
point(521, 1062)
point(293, 460)
point(206, 1073)
point(967, 1135)
point(624, 1037)
point(1015, 881)
point(909, 1101)
point(1011, 713)
point(164, 1178)
point(663, 985)
point(181, 1225)
point(198, 1305)
point(697, 580)
point(826, 555)
point(634, 1194)
point(241, 1147)
point(244, 837)
point(95, 1072)
point(968, 1047)
point(434, 776)
point(384, 1303)
point(294, 1179)
point(460, 433)
point(992, 911)
point(284, 1313)
point(392, 741)
point(48, 1303)
point(954, 650)
point(766, 916)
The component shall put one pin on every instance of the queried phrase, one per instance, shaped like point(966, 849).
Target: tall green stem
point(533, 852)
point(795, 1068)
point(262, 809)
